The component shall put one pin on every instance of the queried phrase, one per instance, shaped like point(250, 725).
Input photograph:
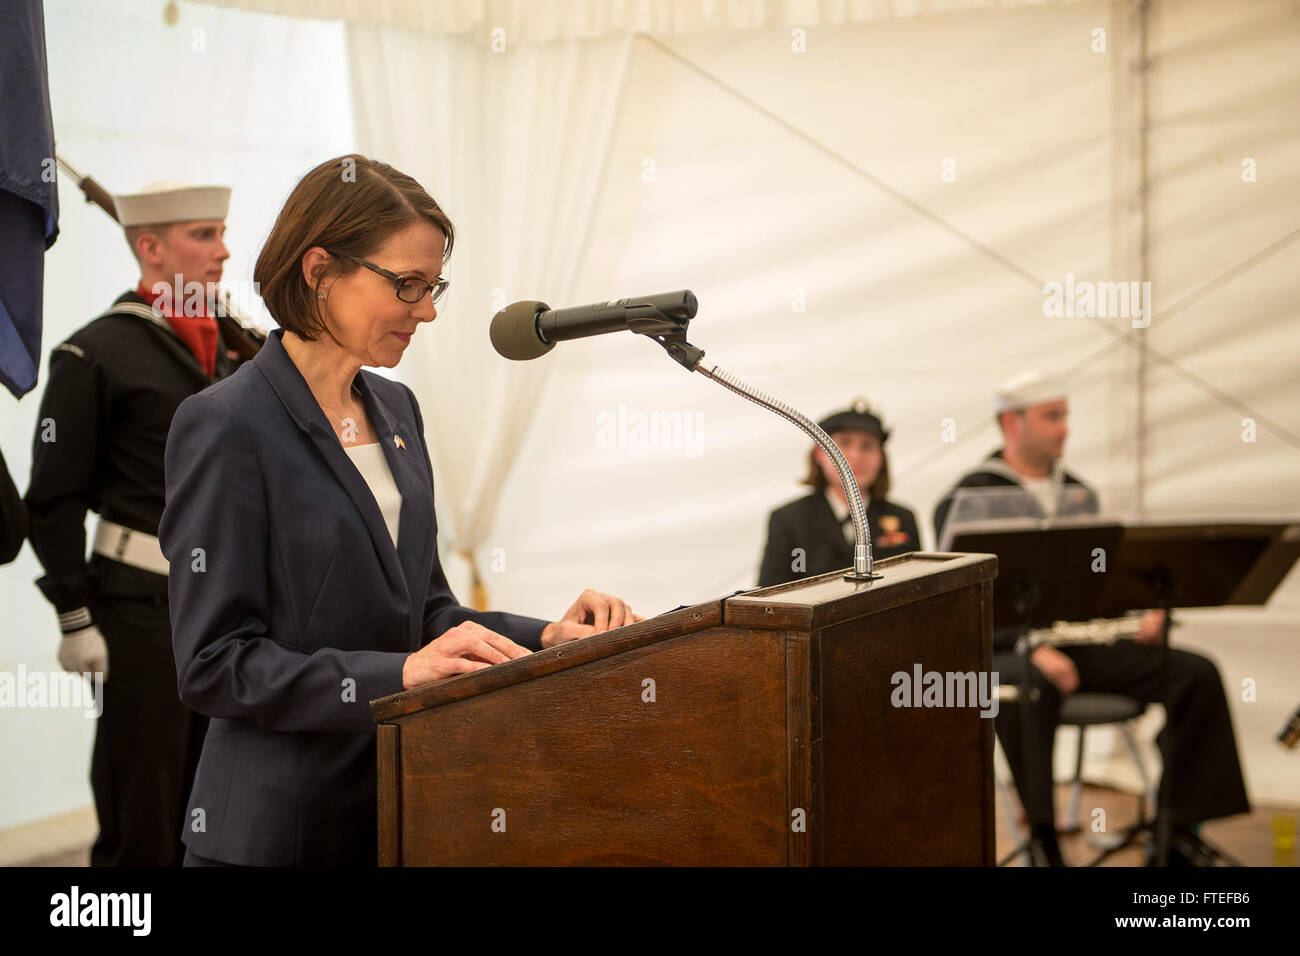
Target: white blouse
point(370, 461)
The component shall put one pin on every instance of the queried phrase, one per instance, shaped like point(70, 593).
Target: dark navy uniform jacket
point(114, 386)
point(13, 516)
point(1074, 498)
point(810, 524)
point(291, 609)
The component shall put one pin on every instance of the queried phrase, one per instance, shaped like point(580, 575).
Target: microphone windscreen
point(514, 331)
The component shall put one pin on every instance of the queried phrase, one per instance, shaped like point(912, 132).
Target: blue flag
point(29, 199)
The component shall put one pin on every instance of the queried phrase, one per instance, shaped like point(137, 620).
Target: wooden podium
point(753, 730)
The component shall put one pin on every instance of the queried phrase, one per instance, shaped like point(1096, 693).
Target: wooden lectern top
point(829, 599)
point(809, 604)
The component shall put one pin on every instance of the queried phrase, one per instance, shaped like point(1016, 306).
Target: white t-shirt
point(1044, 492)
point(372, 464)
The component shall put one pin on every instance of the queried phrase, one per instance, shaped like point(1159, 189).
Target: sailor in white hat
point(175, 232)
point(1029, 389)
point(171, 201)
point(1025, 479)
point(1032, 410)
point(112, 390)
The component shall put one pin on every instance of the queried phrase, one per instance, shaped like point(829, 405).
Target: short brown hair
point(879, 489)
point(133, 234)
point(349, 205)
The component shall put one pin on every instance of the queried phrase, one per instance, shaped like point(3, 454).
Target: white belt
point(129, 546)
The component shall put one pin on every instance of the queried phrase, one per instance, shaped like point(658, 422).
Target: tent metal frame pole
point(1144, 196)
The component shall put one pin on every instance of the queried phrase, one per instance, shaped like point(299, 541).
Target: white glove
point(84, 650)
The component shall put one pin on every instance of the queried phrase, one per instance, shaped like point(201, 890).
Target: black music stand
point(1195, 564)
point(1045, 574)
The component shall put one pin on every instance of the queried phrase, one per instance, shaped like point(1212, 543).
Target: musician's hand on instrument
point(1152, 628)
point(1056, 667)
point(592, 613)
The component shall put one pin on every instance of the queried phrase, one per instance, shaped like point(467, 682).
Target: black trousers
point(1196, 743)
point(147, 742)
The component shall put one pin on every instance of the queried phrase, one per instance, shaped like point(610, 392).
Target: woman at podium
point(814, 534)
point(300, 531)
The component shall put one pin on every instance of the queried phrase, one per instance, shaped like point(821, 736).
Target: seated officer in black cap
point(814, 534)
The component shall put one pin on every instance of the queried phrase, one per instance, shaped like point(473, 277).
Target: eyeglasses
point(408, 288)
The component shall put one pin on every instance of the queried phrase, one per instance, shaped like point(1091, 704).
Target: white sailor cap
point(172, 201)
point(1027, 390)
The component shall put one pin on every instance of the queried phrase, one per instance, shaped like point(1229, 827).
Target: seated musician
point(814, 534)
point(1196, 744)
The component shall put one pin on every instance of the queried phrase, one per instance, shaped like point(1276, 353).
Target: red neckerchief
point(199, 332)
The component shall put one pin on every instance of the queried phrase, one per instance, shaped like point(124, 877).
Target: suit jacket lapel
point(298, 400)
point(829, 528)
point(401, 449)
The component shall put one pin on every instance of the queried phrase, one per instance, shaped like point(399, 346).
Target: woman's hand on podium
point(466, 647)
point(1056, 667)
point(592, 613)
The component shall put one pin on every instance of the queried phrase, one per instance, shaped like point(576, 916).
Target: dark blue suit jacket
point(291, 609)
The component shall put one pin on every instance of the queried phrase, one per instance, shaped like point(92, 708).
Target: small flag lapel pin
point(398, 443)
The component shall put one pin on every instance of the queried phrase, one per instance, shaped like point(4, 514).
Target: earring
point(320, 295)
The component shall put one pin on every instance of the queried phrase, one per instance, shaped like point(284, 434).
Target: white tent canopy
point(870, 206)
point(533, 21)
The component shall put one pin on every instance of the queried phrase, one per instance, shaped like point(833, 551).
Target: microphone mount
point(671, 334)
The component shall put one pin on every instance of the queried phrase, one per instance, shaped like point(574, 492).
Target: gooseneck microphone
point(527, 330)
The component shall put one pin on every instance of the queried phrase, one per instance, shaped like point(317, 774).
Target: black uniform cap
point(856, 418)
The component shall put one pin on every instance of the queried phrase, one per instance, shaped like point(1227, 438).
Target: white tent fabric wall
point(753, 217)
point(1223, 267)
point(1224, 94)
point(513, 147)
point(754, 176)
point(538, 21)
